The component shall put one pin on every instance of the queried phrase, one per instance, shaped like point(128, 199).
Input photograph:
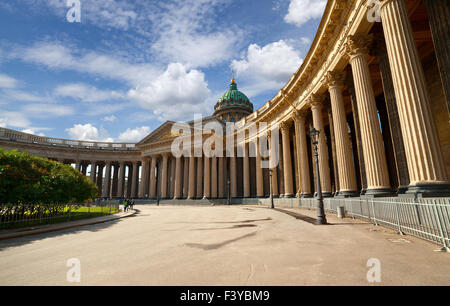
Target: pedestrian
point(125, 203)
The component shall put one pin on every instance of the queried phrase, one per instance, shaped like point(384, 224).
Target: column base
point(288, 196)
point(429, 190)
point(324, 195)
point(346, 194)
point(379, 193)
point(306, 196)
point(402, 190)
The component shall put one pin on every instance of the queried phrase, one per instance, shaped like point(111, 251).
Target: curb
point(62, 227)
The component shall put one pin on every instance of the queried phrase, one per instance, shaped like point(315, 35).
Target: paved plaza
point(222, 245)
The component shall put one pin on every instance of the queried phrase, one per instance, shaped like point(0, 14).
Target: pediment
point(164, 131)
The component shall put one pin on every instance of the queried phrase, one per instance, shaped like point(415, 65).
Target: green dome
point(233, 98)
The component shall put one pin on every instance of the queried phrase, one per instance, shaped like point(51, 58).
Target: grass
point(78, 214)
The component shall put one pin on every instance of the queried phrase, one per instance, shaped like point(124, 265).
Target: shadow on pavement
point(20, 241)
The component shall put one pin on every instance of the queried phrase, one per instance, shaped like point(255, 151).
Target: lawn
point(72, 215)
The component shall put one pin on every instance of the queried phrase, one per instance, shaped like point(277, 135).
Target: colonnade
point(352, 144)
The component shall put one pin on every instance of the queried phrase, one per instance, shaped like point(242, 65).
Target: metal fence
point(15, 216)
point(428, 219)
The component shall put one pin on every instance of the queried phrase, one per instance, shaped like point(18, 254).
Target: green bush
point(30, 180)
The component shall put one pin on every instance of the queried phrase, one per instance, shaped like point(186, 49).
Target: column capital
point(285, 126)
point(108, 162)
point(315, 100)
point(299, 115)
point(358, 45)
point(335, 79)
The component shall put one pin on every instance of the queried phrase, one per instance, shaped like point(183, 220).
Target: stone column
point(221, 178)
point(275, 191)
point(107, 184)
point(121, 179)
point(100, 180)
point(144, 178)
point(191, 191)
point(199, 178)
point(233, 177)
point(78, 165)
point(394, 120)
point(333, 150)
point(372, 142)
point(302, 154)
point(287, 164)
point(427, 172)
point(207, 177)
point(439, 18)
point(164, 176)
point(346, 169)
point(324, 166)
point(259, 171)
point(186, 177)
point(135, 179)
point(93, 170)
point(178, 178)
point(360, 162)
point(214, 177)
point(246, 172)
point(153, 177)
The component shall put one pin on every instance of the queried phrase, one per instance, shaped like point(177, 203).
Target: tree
point(32, 180)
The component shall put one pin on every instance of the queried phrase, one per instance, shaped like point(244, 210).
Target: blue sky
point(129, 66)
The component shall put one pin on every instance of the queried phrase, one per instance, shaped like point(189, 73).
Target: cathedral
point(377, 92)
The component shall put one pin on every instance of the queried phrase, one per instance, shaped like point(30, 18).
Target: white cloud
point(33, 131)
point(301, 11)
point(267, 68)
point(13, 119)
point(188, 33)
point(47, 110)
point(56, 55)
point(134, 135)
point(111, 118)
point(7, 81)
point(88, 132)
point(176, 94)
point(21, 96)
point(106, 13)
point(86, 93)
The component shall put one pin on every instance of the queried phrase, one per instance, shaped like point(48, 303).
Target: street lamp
point(228, 192)
point(271, 191)
point(321, 218)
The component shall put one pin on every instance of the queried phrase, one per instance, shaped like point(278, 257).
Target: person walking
point(125, 203)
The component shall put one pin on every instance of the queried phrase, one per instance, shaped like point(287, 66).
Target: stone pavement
point(222, 245)
point(39, 229)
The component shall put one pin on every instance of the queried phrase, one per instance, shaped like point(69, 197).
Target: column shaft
point(207, 177)
point(178, 178)
point(372, 141)
point(121, 179)
point(302, 153)
point(164, 179)
point(107, 184)
point(426, 167)
point(191, 191)
point(199, 178)
point(214, 177)
point(346, 170)
point(246, 173)
point(287, 167)
point(324, 166)
point(153, 177)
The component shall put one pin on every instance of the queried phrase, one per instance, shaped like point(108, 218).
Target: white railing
point(16, 136)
